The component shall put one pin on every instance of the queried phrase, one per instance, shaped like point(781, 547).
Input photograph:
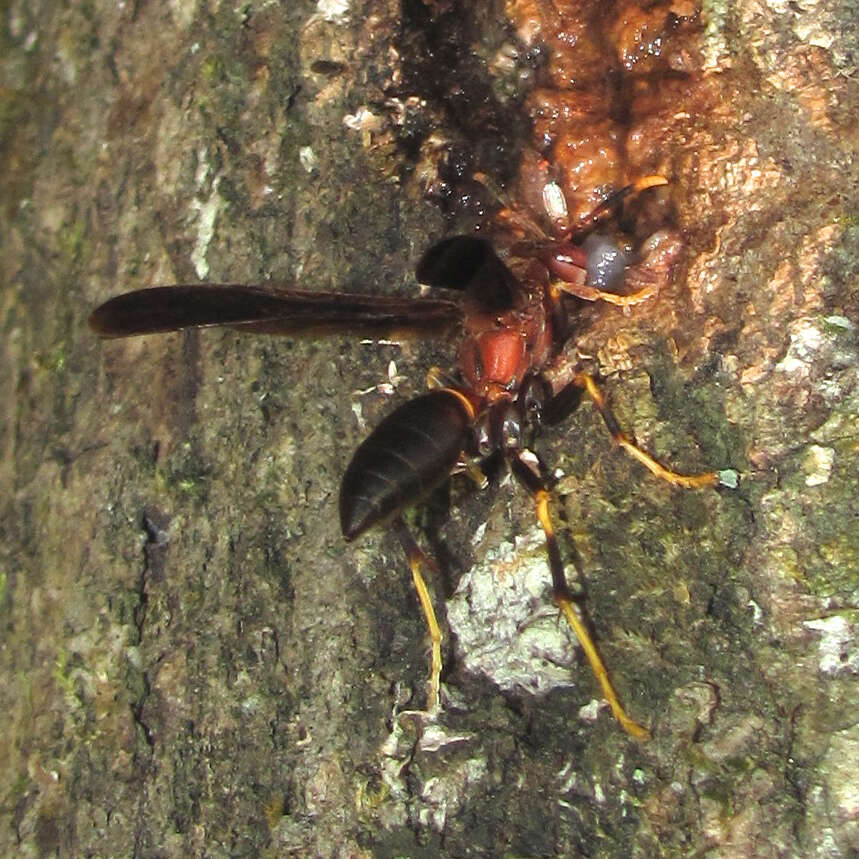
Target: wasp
point(513, 316)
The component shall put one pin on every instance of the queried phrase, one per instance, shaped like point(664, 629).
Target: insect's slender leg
point(564, 601)
point(728, 477)
point(417, 559)
point(536, 484)
point(591, 293)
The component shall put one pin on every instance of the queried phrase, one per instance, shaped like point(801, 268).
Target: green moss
point(53, 361)
point(18, 789)
point(187, 473)
point(62, 673)
point(211, 70)
point(70, 240)
point(10, 111)
point(125, 605)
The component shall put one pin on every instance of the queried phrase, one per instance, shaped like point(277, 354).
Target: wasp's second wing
point(469, 264)
point(264, 310)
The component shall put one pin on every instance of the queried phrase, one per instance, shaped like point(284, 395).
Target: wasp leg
point(536, 484)
point(417, 559)
point(728, 477)
point(591, 293)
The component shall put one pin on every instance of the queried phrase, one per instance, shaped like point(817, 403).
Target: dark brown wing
point(266, 310)
point(470, 264)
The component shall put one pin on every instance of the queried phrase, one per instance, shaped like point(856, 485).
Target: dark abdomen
point(411, 451)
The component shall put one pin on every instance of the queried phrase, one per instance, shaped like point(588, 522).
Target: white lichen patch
point(818, 465)
point(183, 12)
point(437, 797)
point(307, 158)
point(717, 39)
point(363, 120)
point(208, 215)
point(837, 648)
point(442, 797)
point(590, 712)
point(840, 322)
point(505, 623)
point(842, 787)
point(806, 339)
point(335, 11)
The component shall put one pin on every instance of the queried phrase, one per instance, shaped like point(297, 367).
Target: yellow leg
point(591, 293)
point(600, 672)
point(435, 639)
point(565, 604)
point(687, 481)
point(536, 480)
point(416, 559)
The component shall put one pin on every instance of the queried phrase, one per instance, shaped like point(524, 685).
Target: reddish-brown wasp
point(514, 319)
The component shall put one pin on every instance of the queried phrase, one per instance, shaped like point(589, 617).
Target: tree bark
point(193, 661)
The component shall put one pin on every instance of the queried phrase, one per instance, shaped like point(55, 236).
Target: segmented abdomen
point(411, 451)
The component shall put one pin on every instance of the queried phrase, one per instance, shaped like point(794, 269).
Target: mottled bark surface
point(193, 661)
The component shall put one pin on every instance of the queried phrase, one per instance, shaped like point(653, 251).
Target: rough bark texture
point(194, 663)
